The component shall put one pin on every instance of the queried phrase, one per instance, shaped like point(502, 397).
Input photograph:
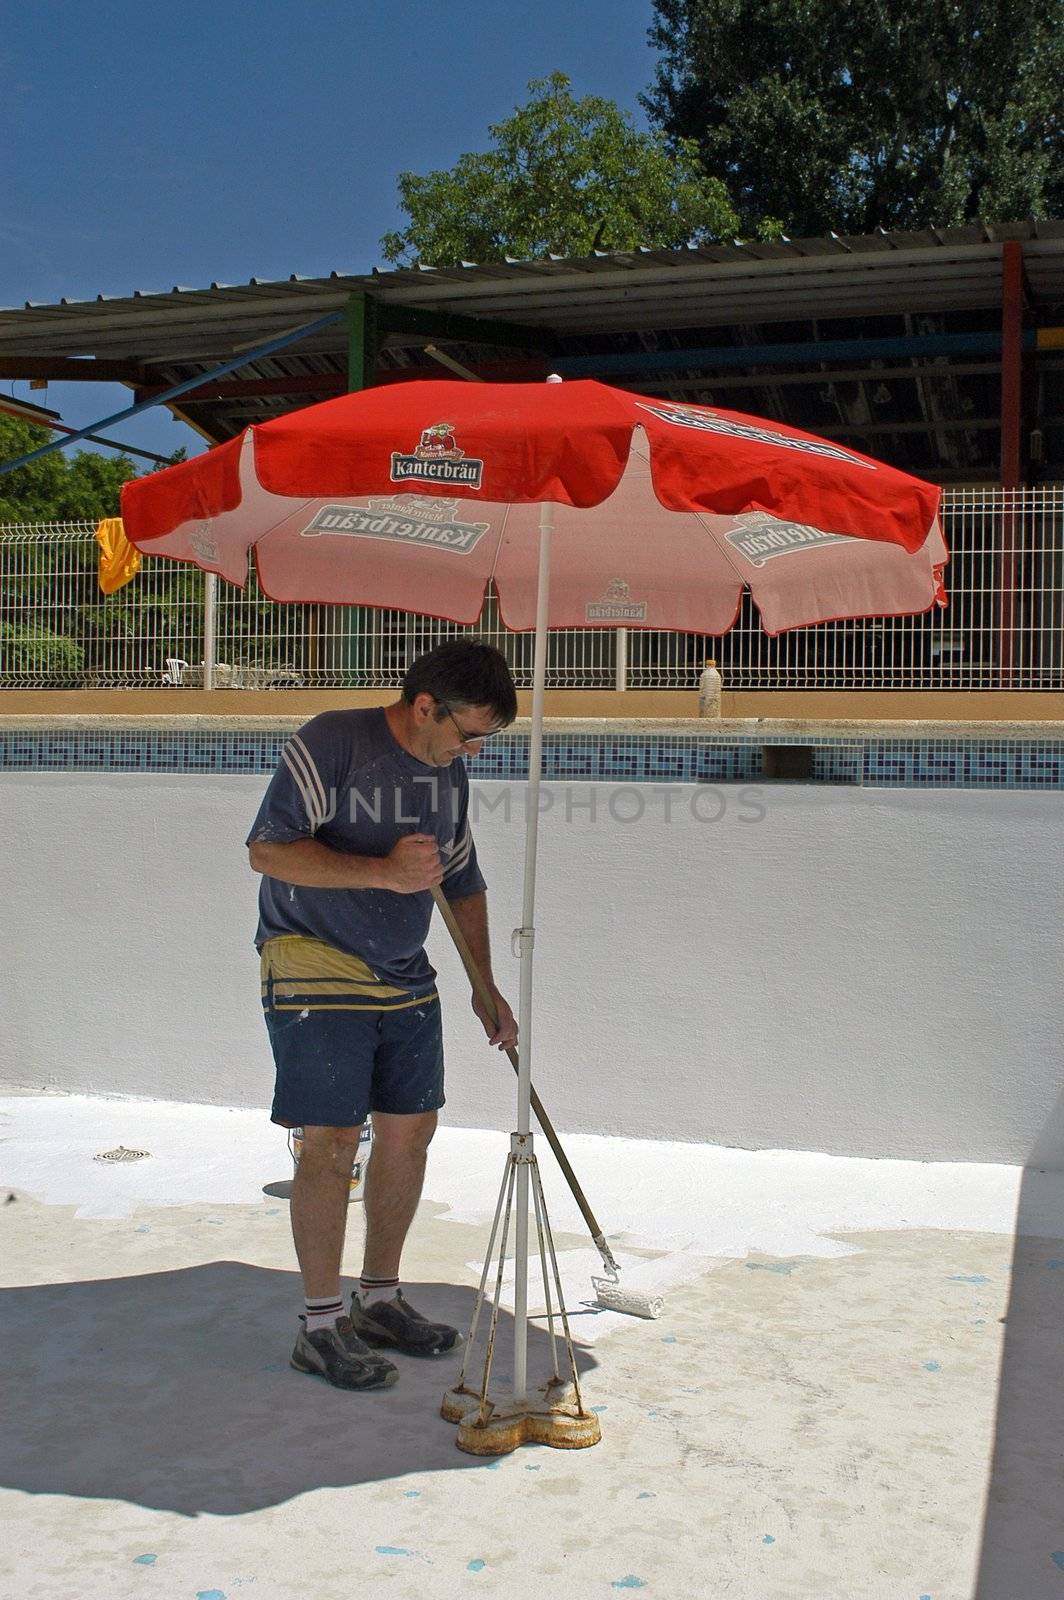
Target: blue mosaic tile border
point(582, 757)
point(130, 750)
point(965, 764)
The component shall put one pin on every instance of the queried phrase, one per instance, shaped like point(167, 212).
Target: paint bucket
point(358, 1171)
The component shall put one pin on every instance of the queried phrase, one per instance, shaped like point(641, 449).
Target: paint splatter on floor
point(1058, 1557)
point(768, 1539)
point(630, 1582)
point(646, 1495)
point(411, 1494)
point(145, 1561)
point(392, 1550)
point(209, 1594)
point(932, 1366)
point(475, 1566)
point(974, 1277)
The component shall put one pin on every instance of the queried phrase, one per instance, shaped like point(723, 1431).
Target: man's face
point(450, 733)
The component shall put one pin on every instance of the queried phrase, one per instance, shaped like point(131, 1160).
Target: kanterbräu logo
point(437, 458)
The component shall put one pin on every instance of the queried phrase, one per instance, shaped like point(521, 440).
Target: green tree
point(57, 488)
point(563, 177)
point(870, 113)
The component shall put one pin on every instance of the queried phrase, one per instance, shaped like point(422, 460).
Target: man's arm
point(471, 914)
point(412, 865)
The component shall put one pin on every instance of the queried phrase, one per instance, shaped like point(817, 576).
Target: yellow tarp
point(119, 561)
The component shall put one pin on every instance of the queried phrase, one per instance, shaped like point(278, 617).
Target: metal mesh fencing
point(1003, 627)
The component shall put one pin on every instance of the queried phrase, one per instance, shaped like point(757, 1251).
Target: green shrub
point(27, 652)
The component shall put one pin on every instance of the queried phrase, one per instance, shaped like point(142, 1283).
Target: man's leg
point(407, 1093)
point(394, 1177)
point(320, 1194)
point(381, 1314)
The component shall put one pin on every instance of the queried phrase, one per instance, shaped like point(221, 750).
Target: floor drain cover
point(121, 1154)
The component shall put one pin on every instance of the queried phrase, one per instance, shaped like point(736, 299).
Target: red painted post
point(1011, 407)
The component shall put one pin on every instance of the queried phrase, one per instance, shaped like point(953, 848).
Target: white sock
point(323, 1313)
point(371, 1290)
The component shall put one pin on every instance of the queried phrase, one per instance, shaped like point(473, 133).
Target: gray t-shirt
point(345, 779)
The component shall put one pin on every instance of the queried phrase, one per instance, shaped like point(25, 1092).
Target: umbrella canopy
point(414, 495)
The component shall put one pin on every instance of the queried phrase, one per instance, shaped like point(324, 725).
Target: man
point(366, 813)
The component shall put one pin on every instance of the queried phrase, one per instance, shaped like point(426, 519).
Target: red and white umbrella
point(414, 495)
point(587, 506)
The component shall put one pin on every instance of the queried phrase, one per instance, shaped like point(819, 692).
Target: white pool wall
point(869, 972)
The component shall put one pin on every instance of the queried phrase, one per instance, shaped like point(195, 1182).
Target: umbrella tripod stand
point(554, 1412)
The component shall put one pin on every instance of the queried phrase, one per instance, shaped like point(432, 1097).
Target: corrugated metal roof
point(966, 258)
point(739, 293)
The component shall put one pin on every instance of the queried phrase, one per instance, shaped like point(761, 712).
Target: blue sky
point(143, 147)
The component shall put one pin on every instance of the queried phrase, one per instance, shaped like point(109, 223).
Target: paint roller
point(610, 1293)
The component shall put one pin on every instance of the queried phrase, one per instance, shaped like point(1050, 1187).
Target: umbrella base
point(553, 1416)
point(554, 1413)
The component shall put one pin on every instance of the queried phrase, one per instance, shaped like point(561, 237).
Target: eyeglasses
point(468, 738)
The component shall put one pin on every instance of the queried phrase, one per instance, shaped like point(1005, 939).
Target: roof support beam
point(70, 369)
point(172, 394)
point(1012, 298)
point(640, 362)
point(1012, 346)
point(324, 384)
point(447, 326)
point(797, 354)
point(363, 341)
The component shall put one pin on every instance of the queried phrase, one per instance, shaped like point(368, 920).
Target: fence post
point(210, 596)
point(620, 680)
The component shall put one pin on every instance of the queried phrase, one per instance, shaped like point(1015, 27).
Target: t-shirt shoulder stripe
point(459, 858)
point(310, 800)
point(312, 771)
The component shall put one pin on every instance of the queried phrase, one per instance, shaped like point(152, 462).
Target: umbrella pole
point(526, 937)
point(556, 1415)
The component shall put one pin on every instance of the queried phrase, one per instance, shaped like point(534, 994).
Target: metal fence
point(1003, 627)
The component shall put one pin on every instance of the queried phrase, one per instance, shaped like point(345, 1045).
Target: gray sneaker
point(397, 1325)
point(339, 1356)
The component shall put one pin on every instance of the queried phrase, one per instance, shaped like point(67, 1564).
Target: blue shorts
point(344, 1042)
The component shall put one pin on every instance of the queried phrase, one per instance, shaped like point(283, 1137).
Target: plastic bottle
point(709, 688)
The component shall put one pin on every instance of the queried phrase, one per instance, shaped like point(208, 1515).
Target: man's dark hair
point(464, 672)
